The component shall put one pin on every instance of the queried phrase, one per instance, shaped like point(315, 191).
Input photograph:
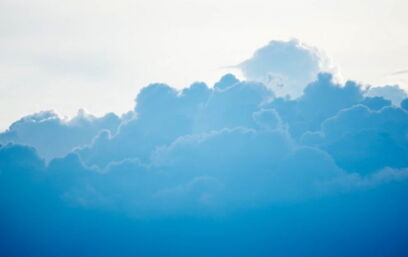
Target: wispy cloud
point(400, 72)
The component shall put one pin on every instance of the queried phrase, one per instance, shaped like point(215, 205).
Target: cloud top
point(286, 66)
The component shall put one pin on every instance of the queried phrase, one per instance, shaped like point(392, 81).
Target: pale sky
point(94, 54)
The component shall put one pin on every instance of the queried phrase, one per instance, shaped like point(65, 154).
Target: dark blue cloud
point(36, 221)
point(376, 103)
point(404, 104)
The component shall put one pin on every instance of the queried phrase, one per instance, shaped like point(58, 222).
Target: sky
point(68, 55)
point(188, 128)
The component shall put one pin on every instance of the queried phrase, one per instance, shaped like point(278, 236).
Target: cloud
point(49, 214)
point(286, 66)
point(321, 99)
point(393, 93)
point(400, 72)
point(230, 147)
point(187, 164)
point(196, 109)
point(363, 140)
point(237, 135)
point(376, 103)
point(55, 137)
point(404, 104)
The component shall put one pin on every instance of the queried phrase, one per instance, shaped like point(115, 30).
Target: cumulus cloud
point(228, 147)
point(362, 140)
point(55, 137)
point(286, 66)
point(321, 100)
point(232, 158)
point(61, 205)
point(393, 93)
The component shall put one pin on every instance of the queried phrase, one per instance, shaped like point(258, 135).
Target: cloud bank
point(228, 170)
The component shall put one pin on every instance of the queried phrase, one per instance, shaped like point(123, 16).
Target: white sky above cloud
point(72, 54)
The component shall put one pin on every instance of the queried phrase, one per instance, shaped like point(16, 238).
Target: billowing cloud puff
point(55, 137)
point(286, 66)
point(376, 102)
point(393, 93)
point(362, 140)
point(196, 109)
point(321, 100)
